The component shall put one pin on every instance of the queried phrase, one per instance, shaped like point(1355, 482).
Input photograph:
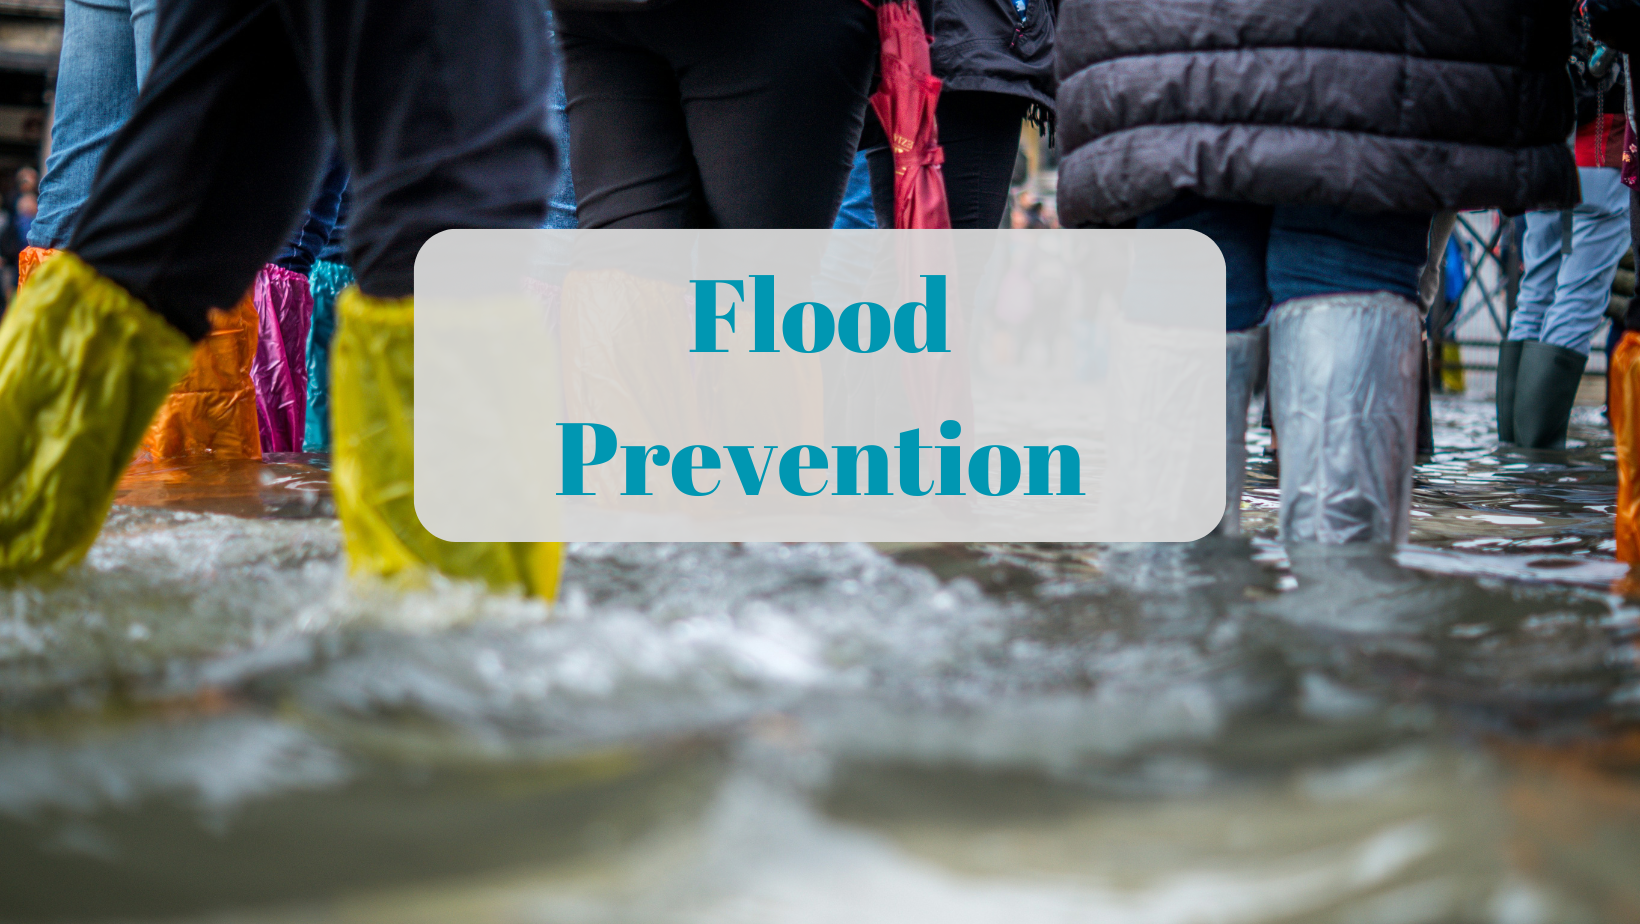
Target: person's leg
point(980, 135)
point(859, 209)
point(880, 165)
point(1583, 285)
point(1624, 378)
point(630, 155)
point(326, 280)
point(774, 98)
point(441, 111)
point(1624, 410)
point(96, 90)
point(284, 308)
point(303, 248)
point(213, 408)
point(195, 194)
point(1345, 354)
point(325, 285)
point(182, 212)
point(1241, 231)
point(1550, 369)
point(1540, 267)
point(1540, 270)
point(429, 160)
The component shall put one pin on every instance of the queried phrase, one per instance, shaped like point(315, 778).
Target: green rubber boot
point(1508, 371)
point(1545, 389)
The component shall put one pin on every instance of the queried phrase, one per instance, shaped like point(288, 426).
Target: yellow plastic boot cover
point(213, 408)
point(83, 367)
point(372, 466)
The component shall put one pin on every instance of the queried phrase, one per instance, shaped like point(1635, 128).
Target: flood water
point(209, 722)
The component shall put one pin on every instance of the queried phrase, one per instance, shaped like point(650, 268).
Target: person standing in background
point(1616, 23)
point(1564, 295)
point(25, 200)
point(284, 308)
point(239, 401)
point(714, 113)
point(106, 53)
point(1313, 142)
point(21, 205)
point(326, 282)
point(103, 65)
point(195, 194)
point(995, 61)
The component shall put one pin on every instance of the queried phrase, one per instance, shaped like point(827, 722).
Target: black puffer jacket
point(981, 45)
point(1370, 105)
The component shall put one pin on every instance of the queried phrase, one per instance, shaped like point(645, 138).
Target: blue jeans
point(1276, 253)
point(311, 242)
point(1563, 298)
point(858, 210)
point(335, 250)
point(107, 47)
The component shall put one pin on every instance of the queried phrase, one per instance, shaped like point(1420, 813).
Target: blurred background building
point(30, 33)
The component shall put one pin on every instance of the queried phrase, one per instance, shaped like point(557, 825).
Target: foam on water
point(1226, 731)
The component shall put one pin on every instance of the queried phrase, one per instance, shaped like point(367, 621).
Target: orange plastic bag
point(1624, 407)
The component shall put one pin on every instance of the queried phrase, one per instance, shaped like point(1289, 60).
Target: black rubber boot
point(1508, 370)
point(1545, 388)
point(1426, 415)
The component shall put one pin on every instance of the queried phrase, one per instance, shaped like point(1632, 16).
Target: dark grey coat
point(1370, 105)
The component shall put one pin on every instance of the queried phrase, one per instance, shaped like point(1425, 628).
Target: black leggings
point(716, 113)
point(439, 108)
point(980, 135)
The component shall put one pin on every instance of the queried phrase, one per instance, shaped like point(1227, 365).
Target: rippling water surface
point(209, 722)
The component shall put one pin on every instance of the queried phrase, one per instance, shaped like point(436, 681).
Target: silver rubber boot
point(1243, 360)
point(1344, 382)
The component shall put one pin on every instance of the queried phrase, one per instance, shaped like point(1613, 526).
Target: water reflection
point(209, 718)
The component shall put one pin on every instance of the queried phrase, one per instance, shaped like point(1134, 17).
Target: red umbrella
point(906, 97)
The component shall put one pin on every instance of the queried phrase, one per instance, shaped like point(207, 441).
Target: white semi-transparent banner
point(878, 386)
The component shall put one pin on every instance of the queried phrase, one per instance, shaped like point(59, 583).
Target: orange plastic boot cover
point(1625, 416)
point(213, 409)
point(29, 260)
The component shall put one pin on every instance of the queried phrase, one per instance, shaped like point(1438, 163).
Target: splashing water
point(208, 717)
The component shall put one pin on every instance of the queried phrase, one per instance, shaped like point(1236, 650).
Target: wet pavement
point(210, 722)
